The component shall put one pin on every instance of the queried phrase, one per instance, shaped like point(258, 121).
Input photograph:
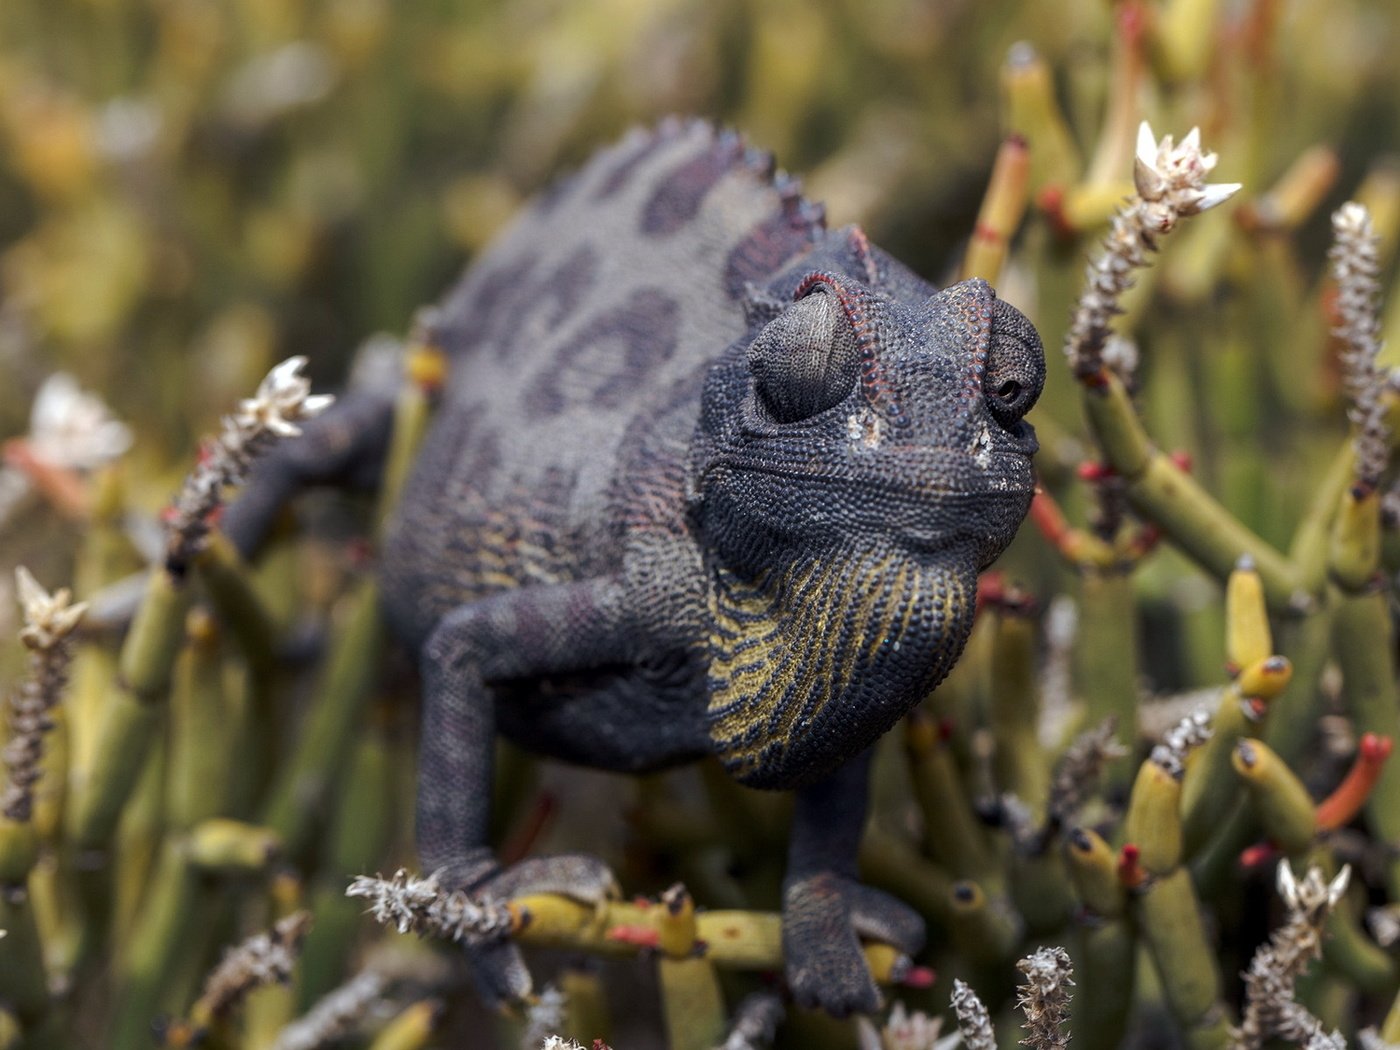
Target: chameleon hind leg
point(513, 636)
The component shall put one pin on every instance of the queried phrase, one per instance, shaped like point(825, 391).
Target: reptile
point(707, 478)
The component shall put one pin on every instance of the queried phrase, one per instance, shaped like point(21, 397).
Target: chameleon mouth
point(938, 473)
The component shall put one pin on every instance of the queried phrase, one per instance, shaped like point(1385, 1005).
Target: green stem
point(132, 714)
point(1189, 515)
point(297, 809)
point(1361, 638)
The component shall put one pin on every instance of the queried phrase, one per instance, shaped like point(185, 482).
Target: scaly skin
point(708, 478)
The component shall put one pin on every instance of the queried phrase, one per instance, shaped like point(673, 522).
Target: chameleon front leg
point(518, 634)
point(826, 910)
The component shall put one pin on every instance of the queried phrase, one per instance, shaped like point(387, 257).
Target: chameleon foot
point(824, 917)
point(497, 967)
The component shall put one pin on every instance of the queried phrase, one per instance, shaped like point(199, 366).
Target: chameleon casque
point(707, 478)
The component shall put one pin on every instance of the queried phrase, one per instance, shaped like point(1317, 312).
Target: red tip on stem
point(918, 977)
point(1132, 23)
point(1051, 202)
point(1258, 854)
point(1130, 871)
point(641, 936)
point(1049, 519)
point(1351, 794)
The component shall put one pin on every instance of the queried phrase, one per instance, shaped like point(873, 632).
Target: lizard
point(707, 478)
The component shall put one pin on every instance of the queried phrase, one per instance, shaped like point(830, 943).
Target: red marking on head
point(1181, 459)
point(873, 381)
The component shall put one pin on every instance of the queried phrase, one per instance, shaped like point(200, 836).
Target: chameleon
point(707, 478)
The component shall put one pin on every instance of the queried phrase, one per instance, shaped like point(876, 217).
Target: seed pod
point(1284, 806)
point(1094, 871)
point(1247, 636)
point(1154, 818)
point(1355, 550)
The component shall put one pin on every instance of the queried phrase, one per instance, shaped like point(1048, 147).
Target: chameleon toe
point(577, 876)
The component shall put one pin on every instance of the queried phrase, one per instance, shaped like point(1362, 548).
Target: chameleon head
point(868, 417)
point(855, 466)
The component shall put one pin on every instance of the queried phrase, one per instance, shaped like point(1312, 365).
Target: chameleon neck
point(812, 661)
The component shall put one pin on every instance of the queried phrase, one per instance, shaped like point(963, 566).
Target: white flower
point(48, 618)
point(282, 400)
point(1171, 179)
point(73, 429)
point(915, 1031)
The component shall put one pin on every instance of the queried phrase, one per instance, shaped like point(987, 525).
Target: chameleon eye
point(805, 360)
point(1015, 366)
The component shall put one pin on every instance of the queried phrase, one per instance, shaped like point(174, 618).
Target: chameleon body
point(707, 478)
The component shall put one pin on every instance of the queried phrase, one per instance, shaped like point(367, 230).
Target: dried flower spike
point(1181, 739)
point(283, 400)
point(755, 1023)
point(1044, 998)
point(336, 1015)
point(265, 958)
point(973, 1021)
point(1270, 1010)
point(422, 906)
point(1078, 771)
point(1355, 257)
point(48, 621)
point(1171, 185)
point(544, 1016)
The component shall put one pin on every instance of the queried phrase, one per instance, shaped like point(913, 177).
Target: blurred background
point(192, 190)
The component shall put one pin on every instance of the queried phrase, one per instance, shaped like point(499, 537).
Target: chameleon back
point(603, 303)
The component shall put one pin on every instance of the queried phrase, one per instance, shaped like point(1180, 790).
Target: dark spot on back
point(679, 195)
point(566, 288)
point(610, 357)
point(487, 304)
point(764, 251)
point(622, 171)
